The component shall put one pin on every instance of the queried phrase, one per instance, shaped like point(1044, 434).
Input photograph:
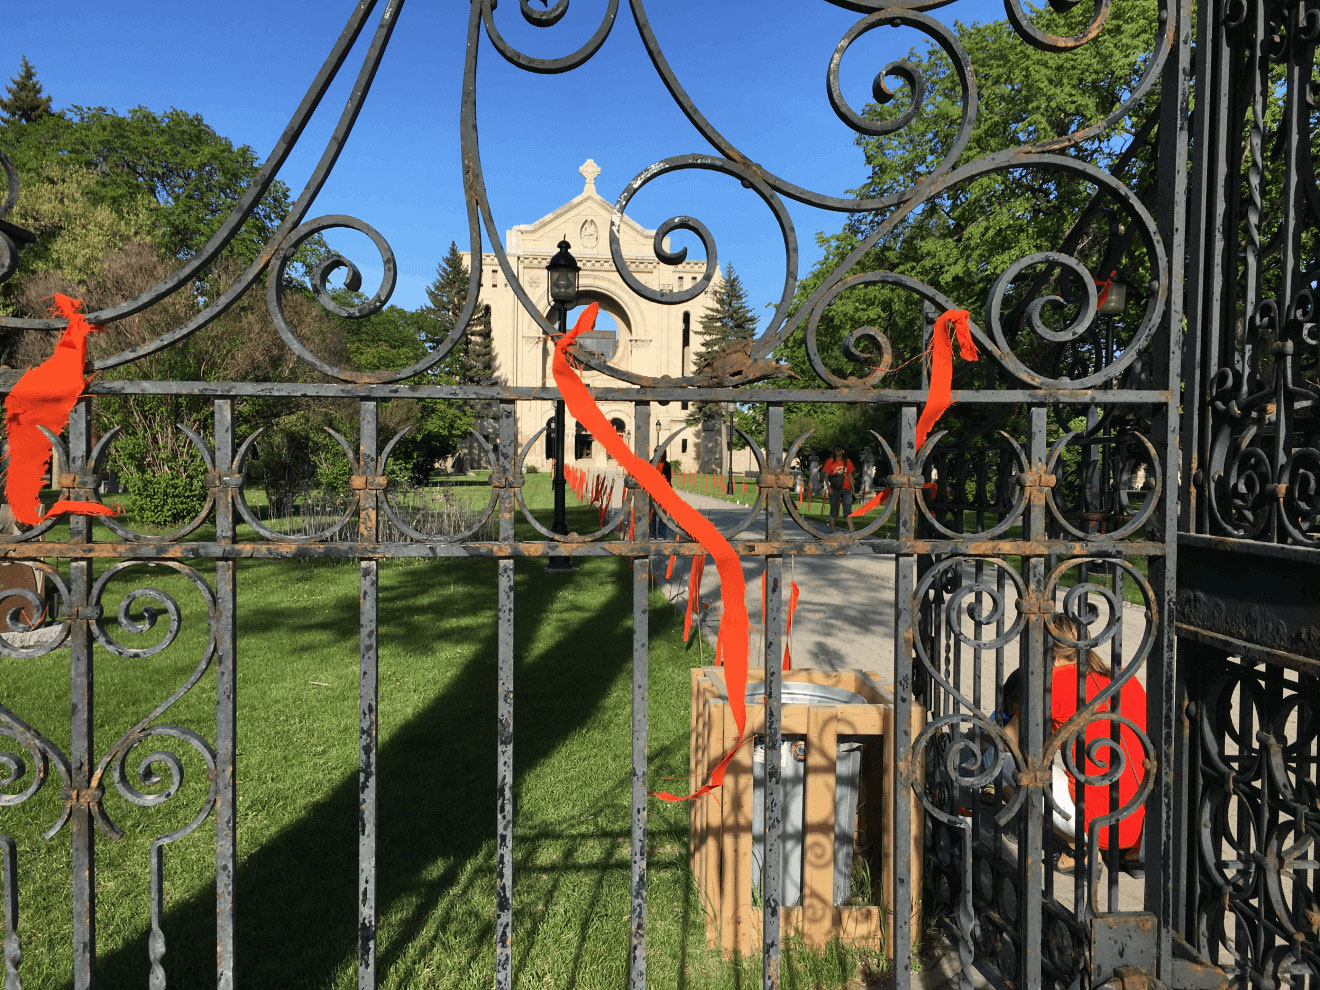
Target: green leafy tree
point(24, 101)
point(437, 428)
point(728, 323)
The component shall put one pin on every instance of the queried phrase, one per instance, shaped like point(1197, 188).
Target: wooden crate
point(720, 837)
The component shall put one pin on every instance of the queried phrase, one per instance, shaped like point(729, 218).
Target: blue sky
point(757, 71)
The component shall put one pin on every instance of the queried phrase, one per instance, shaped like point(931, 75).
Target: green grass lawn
point(297, 785)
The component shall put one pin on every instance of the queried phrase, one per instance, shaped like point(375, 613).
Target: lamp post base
point(560, 565)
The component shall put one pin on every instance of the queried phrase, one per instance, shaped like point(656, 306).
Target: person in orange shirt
point(1125, 836)
point(838, 471)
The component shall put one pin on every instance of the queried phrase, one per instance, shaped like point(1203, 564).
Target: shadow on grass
point(296, 893)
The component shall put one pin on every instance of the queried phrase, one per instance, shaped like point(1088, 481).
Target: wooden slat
point(818, 841)
point(887, 834)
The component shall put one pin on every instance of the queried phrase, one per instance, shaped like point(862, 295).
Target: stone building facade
point(647, 337)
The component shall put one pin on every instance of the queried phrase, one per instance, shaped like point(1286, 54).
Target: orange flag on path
point(45, 396)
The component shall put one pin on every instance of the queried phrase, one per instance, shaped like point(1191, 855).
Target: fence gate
point(1047, 521)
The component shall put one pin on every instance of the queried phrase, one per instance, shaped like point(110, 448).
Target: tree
point(24, 102)
point(472, 361)
point(728, 323)
point(962, 240)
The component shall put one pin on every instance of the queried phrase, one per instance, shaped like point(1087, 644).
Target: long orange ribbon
point(45, 396)
point(939, 397)
point(733, 590)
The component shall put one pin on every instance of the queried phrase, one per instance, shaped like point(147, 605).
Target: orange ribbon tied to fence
point(45, 396)
point(951, 323)
point(732, 638)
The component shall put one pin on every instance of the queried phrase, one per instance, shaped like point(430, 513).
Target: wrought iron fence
point(1052, 521)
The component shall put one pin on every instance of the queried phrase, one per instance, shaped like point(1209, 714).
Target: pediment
point(585, 222)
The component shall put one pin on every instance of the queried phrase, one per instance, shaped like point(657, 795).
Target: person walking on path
point(839, 482)
point(659, 529)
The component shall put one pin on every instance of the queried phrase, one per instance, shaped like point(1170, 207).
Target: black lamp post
point(562, 277)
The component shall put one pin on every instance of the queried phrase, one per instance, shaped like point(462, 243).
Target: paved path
point(846, 609)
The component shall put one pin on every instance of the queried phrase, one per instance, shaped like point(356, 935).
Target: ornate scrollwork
point(115, 758)
point(548, 17)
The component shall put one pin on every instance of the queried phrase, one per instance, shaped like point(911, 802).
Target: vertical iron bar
point(641, 572)
point(82, 742)
point(1036, 681)
point(504, 714)
point(10, 944)
point(1162, 689)
point(772, 866)
point(368, 714)
point(904, 775)
point(226, 701)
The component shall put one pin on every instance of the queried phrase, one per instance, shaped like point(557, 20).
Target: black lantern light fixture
point(562, 279)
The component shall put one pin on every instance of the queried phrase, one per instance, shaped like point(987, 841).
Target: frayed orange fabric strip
point(669, 569)
point(733, 589)
point(951, 323)
point(45, 396)
point(939, 398)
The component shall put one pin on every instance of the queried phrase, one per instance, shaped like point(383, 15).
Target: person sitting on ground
point(1124, 837)
point(838, 479)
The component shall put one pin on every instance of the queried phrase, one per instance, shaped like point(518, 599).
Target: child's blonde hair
point(1062, 627)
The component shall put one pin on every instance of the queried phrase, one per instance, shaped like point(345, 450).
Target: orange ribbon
point(793, 594)
point(939, 397)
point(732, 638)
point(45, 396)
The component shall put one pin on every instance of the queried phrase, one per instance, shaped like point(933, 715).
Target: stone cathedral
point(633, 333)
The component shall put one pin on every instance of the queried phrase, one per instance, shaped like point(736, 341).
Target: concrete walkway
point(846, 609)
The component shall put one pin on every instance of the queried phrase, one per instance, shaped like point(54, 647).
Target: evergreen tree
point(24, 102)
point(728, 323)
point(472, 361)
point(729, 320)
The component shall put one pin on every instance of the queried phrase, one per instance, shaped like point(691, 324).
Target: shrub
point(168, 498)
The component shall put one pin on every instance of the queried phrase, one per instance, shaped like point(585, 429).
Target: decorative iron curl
point(1077, 607)
point(8, 249)
point(1300, 475)
point(965, 762)
point(995, 611)
point(909, 74)
point(117, 754)
point(750, 178)
point(611, 523)
point(245, 510)
point(388, 509)
point(905, 11)
point(53, 634)
point(1010, 517)
point(14, 768)
point(114, 525)
point(544, 19)
point(353, 281)
point(1047, 42)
